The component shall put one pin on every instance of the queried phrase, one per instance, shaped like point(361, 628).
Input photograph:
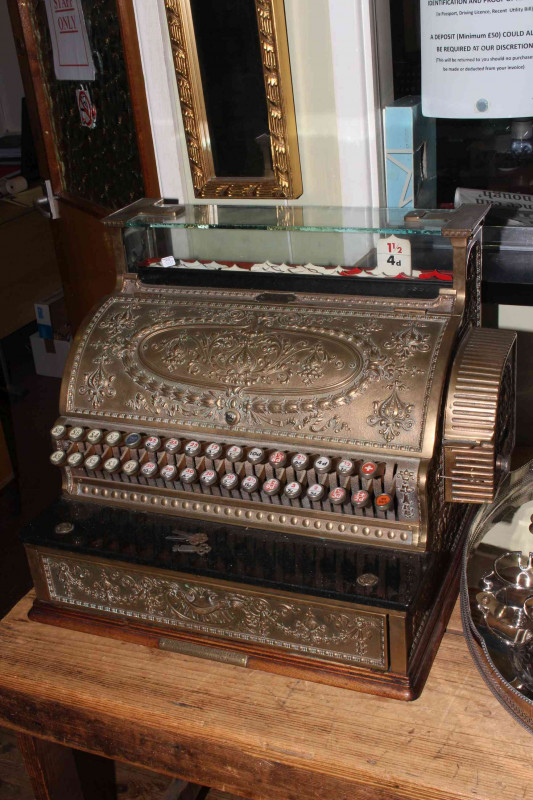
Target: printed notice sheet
point(477, 58)
point(73, 60)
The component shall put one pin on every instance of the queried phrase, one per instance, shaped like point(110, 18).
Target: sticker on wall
point(477, 58)
point(73, 60)
point(86, 108)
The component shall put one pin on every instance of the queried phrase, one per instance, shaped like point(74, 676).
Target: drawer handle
point(203, 651)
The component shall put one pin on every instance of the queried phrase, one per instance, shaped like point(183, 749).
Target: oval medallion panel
point(284, 361)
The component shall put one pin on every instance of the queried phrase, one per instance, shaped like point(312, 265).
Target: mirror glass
point(229, 57)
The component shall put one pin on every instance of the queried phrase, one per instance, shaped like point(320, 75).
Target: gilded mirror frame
point(286, 181)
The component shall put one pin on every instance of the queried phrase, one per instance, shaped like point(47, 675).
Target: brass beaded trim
point(297, 522)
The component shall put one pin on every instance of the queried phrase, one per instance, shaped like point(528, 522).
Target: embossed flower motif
point(310, 372)
point(98, 384)
point(408, 341)
point(392, 415)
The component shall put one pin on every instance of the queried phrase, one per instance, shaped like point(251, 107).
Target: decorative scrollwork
point(98, 384)
point(406, 492)
point(408, 340)
point(239, 349)
point(268, 367)
point(214, 406)
point(392, 415)
point(118, 328)
point(227, 611)
point(257, 357)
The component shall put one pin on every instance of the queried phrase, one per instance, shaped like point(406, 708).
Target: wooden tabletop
point(259, 735)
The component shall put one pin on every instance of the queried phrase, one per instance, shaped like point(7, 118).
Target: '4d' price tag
point(393, 256)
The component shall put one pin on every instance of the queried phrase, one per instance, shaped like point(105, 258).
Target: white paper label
point(520, 202)
point(73, 60)
point(477, 58)
point(393, 256)
point(168, 261)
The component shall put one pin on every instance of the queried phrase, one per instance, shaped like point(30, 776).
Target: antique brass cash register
point(272, 436)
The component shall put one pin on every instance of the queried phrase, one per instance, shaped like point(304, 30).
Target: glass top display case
point(290, 248)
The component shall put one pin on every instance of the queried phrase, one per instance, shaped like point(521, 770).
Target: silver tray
point(497, 594)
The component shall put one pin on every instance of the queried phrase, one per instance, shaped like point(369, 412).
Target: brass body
point(354, 376)
point(342, 631)
point(478, 413)
point(411, 384)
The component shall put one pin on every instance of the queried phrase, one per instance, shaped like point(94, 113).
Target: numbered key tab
point(208, 477)
point(393, 256)
point(149, 469)
point(113, 438)
point(58, 457)
point(235, 453)
point(130, 467)
point(92, 462)
point(337, 496)
point(76, 434)
point(152, 444)
point(272, 487)
point(58, 431)
point(346, 467)
point(293, 490)
point(278, 458)
point(229, 481)
point(256, 455)
point(172, 445)
point(213, 450)
point(168, 472)
point(112, 465)
point(369, 469)
point(322, 464)
point(315, 492)
point(300, 461)
point(250, 484)
point(75, 460)
point(361, 499)
point(95, 436)
point(188, 475)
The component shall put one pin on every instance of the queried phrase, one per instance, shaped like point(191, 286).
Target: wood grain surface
point(51, 769)
point(258, 735)
point(120, 782)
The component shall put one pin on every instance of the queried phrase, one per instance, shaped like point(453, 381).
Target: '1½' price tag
point(393, 256)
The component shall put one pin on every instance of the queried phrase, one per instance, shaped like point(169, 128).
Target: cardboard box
point(51, 317)
point(410, 155)
point(49, 355)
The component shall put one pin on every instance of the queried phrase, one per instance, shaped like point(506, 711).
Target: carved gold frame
point(287, 179)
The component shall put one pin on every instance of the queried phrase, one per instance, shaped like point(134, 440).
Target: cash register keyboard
point(354, 485)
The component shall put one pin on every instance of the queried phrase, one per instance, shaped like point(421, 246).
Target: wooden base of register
point(338, 614)
point(260, 736)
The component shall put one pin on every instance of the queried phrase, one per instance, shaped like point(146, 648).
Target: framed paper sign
point(73, 60)
point(477, 58)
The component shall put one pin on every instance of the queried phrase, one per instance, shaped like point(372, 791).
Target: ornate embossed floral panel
point(344, 377)
point(295, 624)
